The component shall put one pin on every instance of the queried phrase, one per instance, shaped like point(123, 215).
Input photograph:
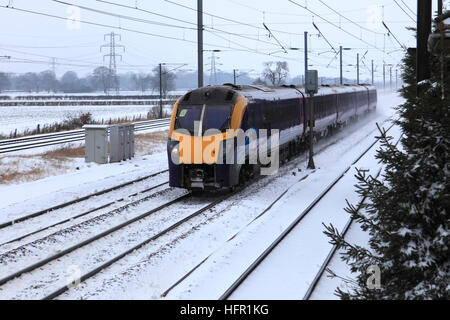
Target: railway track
point(108, 263)
point(334, 249)
point(77, 200)
point(256, 263)
point(85, 213)
point(331, 254)
point(43, 140)
point(40, 264)
point(302, 178)
point(90, 240)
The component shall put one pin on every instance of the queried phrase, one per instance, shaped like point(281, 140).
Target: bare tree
point(141, 81)
point(275, 72)
point(4, 81)
point(48, 81)
point(167, 80)
point(70, 82)
point(259, 82)
point(28, 82)
point(100, 78)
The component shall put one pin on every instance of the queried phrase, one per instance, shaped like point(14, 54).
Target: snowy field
point(216, 246)
point(22, 118)
point(28, 117)
point(13, 94)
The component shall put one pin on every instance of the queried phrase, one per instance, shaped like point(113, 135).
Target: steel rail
point(86, 213)
point(68, 203)
point(71, 132)
point(333, 250)
point(141, 244)
point(26, 143)
point(105, 265)
point(283, 235)
point(89, 240)
point(164, 294)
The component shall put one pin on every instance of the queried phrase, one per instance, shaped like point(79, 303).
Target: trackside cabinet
point(121, 142)
point(96, 143)
point(117, 142)
point(129, 141)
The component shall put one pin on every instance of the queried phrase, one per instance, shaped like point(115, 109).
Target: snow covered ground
point(226, 238)
point(28, 117)
point(13, 94)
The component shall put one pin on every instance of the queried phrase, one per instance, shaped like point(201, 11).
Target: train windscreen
point(214, 117)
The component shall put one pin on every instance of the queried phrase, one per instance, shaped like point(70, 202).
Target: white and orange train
point(228, 108)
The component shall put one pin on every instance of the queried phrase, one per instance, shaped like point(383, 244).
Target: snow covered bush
point(406, 209)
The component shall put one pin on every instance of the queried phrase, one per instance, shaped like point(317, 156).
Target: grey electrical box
point(311, 81)
point(96, 143)
point(117, 143)
point(121, 142)
point(130, 141)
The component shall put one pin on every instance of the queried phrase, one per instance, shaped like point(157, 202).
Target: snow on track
point(17, 200)
point(289, 269)
point(149, 271)
point(94, 207)
point(52, 275)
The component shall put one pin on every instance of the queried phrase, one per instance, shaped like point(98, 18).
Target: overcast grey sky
point(233, 26)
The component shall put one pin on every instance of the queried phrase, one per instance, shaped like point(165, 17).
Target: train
point(211, 127)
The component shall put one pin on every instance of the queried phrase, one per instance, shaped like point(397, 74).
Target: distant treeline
point(100, 79)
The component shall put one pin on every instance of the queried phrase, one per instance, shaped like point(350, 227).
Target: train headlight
point(175, 154)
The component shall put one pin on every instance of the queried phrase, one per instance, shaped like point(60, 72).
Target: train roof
point(254, 92)
point(284, 92)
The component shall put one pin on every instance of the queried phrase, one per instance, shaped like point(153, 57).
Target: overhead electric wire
point(351, 21)
point(128, 29)
point(97, 24)
point(84, 65)
point(317, 28)
point(237, 35)
point(24, 60)
point(270, 32)
point(390, 33)
point(285, 13)
point(300, 23)
point(398, 5)
point(168, 17)
point(228, 19)
point(41, 55)
point(124, 16)
point(50, 47)
point(228, 40)
point(269, 54)
point(147, 11)
point(408, 7)
point(336, 26)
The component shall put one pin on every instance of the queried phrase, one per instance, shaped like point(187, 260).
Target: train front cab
point(197, 165)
